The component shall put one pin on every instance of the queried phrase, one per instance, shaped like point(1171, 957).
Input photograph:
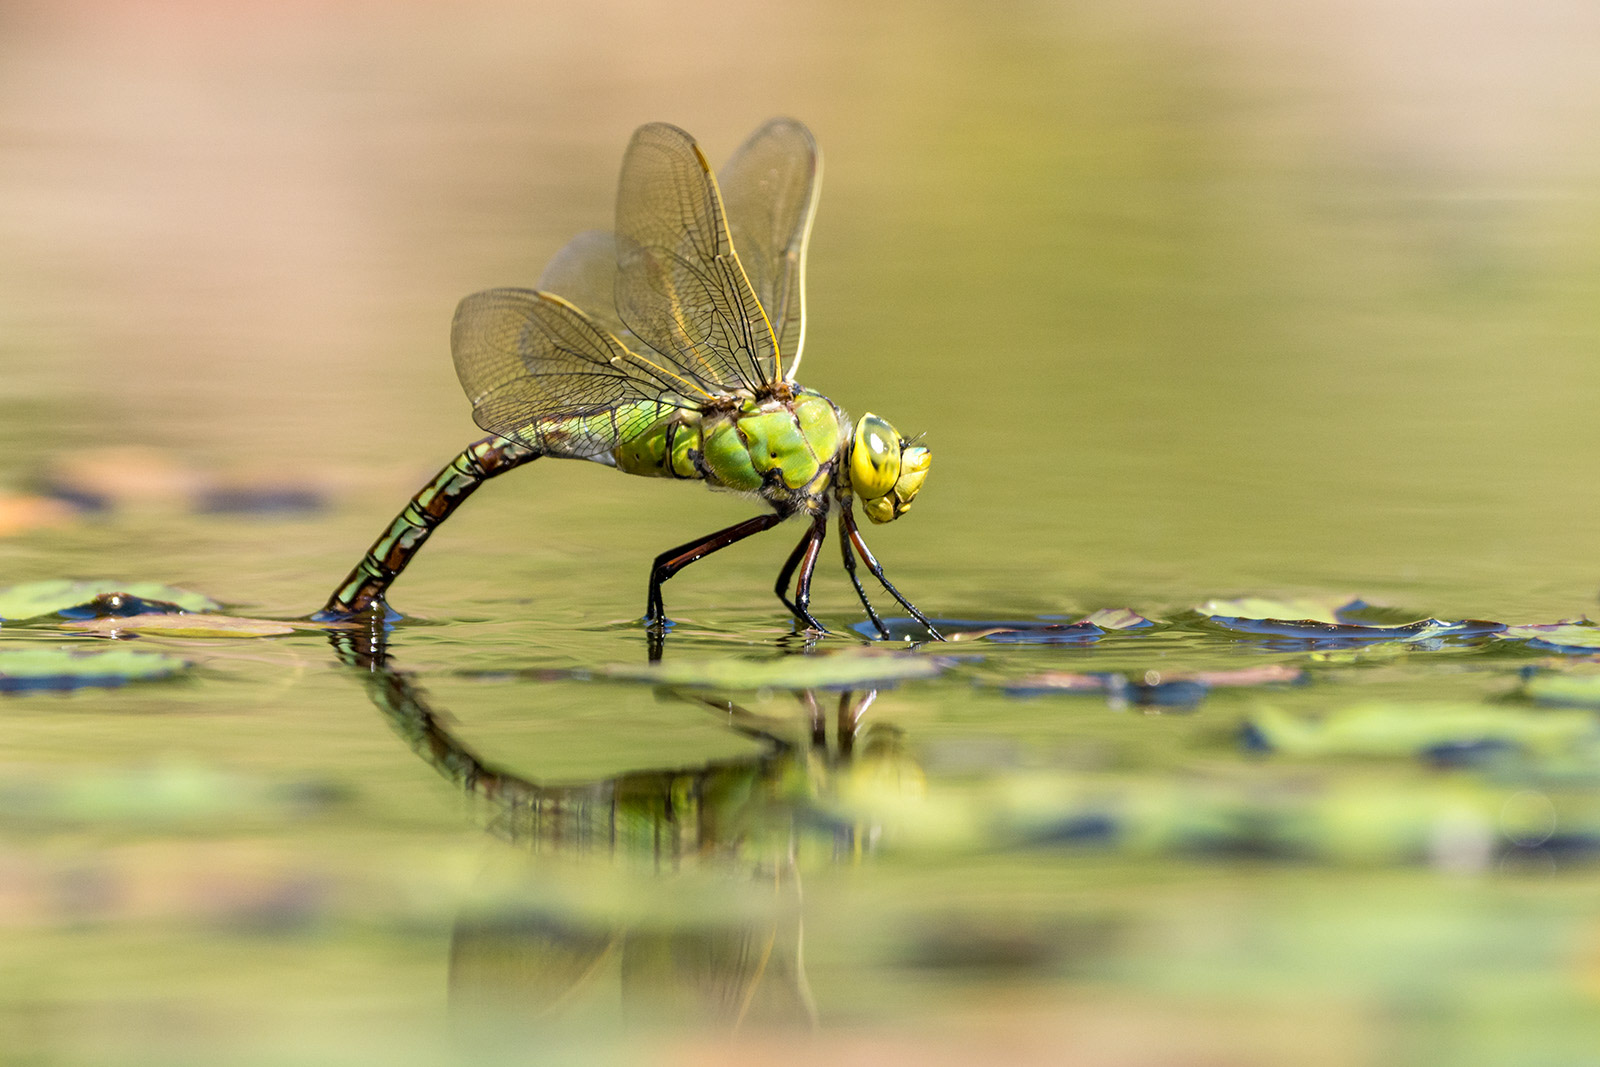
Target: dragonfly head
point(885, 471)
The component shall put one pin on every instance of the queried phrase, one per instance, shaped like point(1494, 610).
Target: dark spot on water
point(1091, 829)
point(1469, 753)
point(267, 501)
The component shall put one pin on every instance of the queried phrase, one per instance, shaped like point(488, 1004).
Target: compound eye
point(874, 458)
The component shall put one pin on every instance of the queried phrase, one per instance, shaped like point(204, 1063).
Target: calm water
point(1189, 302)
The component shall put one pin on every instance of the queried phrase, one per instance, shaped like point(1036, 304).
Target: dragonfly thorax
point(783, 450)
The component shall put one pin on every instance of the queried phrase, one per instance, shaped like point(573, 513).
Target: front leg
point(853, 535)
point(674, 560)
point(845, 526)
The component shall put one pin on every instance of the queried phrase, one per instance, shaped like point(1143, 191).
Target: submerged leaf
point(840, 671)
point(33, 599)
point(43, 667)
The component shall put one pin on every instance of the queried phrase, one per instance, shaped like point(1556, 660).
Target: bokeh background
point(1189, 298)
point(1213, 290)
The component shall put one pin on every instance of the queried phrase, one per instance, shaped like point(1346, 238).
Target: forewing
point(769, 191)
point(540, 371)
point(680, 287)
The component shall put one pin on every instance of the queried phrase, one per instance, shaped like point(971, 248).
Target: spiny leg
point(850, 569)
point(871, 561)
point(364, 587)
point(674, 560)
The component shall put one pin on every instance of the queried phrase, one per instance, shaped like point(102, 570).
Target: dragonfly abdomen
point(666, 449)
point(366, 584)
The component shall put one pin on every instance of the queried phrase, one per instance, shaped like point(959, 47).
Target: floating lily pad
point(43, 667)
point(1044, 631)
point(1311, 609)
point(1385, 728)
point(33, 599)
point(1118, 619)
point(185, 624)
point(1039, 633)
point(902, 629)
point(840, 671)
point(1315, 634)
point(1333, 623)
point(1579, 637)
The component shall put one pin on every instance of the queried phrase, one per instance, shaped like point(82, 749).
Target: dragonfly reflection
point(749, 824)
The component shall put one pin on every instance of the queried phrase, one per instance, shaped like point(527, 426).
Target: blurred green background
point(1190, 299)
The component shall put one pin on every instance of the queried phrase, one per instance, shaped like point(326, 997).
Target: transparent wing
point(540, 371)
point(584, 273)
point(769, 190)
point(680, 287)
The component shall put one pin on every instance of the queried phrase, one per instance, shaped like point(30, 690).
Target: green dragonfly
point(660, 350)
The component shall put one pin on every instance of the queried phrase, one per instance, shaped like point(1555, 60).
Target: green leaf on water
point(33, 668)
point(33, 599)
point(1566, 689)
point(184, 625)
point(1578, 635)
point(168, 794)
point(845, 670)
point(1314, 609)
point(1117, 619)
point(1401, 728)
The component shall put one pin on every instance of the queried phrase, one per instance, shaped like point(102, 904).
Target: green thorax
point(782, 448)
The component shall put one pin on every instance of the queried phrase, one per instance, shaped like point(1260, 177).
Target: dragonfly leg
point(855, 579)
point(364, 587)
point(674, 560)
point(782, 586)
point(854, 535)
point(802, 587)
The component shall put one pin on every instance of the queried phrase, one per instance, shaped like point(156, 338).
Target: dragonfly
point(668, 348)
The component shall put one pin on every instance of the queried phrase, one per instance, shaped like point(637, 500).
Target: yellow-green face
point(884, 472)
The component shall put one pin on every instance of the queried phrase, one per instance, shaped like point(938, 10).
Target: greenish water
point(1188, 305)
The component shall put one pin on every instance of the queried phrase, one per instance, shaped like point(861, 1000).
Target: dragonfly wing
point(584, 273)
point(680, 287)
point(540, 371)
point(769, 190)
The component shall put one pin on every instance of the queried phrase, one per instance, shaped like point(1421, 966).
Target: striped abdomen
point(366, 584)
